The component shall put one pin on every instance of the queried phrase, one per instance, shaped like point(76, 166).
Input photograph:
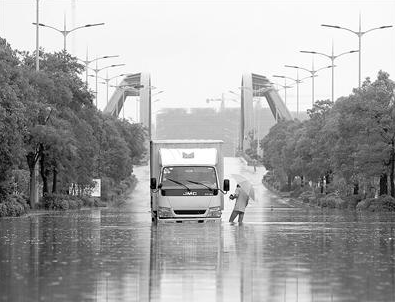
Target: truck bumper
point(189, 220)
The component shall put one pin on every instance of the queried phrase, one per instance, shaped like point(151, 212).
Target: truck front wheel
point(154, 216)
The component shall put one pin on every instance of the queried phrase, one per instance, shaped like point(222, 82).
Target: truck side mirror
point(226, 185)
point(153, 183)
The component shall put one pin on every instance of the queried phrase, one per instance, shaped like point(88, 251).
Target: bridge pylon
point(255, 85)
point(138, 84)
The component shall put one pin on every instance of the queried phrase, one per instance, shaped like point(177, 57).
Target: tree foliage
point(48, 118)
point(351, 140)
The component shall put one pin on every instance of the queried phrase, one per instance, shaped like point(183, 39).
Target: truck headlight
point(214, 212)
point(164, 212)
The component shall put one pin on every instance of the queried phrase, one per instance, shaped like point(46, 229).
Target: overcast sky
point(196, 50)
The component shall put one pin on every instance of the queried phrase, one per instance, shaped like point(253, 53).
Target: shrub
point(284, 188)
point(21, 181)
point(364, 204)
point(352, 200)
point(99, 203)
point(87, 201)
point(382, 203)
point(297, 192)
point(72, 204)
point(3, 209)
point(20, 199)
point(11, 208)
point(331, 200)
point(306, 196)
point(107, 186)
point(61, 202)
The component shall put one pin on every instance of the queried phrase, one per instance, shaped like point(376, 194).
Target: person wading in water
point(240, 204)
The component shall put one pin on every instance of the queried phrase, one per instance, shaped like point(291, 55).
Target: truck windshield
point(189, 175)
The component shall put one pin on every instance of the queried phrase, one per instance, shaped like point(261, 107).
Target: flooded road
point(281, 253)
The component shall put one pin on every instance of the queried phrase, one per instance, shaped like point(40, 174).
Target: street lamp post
point(37, 36)
point(332, 57)
point(65, 32)
point(297, 81)
point(257, 126)
point(359, 33)
point(150, 113)
point(285, 87)
point(87, 62)
point(107, 80)
point(313, 73)
point(222, 100)
point(154, 112)
point(97, 70)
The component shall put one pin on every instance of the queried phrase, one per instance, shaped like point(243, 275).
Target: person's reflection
point(242, 238)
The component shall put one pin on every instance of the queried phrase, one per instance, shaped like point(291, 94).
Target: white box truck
point(187, 180)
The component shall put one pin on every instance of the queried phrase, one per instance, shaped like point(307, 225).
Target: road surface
point(282, 252)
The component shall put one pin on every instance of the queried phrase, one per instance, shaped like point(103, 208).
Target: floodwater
point(282, 252)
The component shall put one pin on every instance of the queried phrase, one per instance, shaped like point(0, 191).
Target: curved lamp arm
point(87, 25)
point(339, 27)
point(43, 25)
point(344, 53)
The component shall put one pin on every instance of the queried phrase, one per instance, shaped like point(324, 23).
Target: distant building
point(207, 123)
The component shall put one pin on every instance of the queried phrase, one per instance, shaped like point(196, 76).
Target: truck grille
point(189, 212)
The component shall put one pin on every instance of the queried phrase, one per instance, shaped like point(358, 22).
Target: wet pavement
point(282, 252)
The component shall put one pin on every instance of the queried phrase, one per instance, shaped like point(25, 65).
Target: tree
point(278, 150)
point(11, 114)
point(353, 139)
point(364, 120)
point(48, 118)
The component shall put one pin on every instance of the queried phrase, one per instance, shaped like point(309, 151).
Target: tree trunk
point(322, 184)
point(356, 188)
point(73, 189)
point(289, 182)
point(54, 180)
point(43, 172)
point(392, 165)
point(33, 187)
point(327, 179)
point(383, 184)
point(31, 162)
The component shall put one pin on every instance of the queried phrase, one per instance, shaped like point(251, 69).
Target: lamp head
point(333, 26)
point(96, 24)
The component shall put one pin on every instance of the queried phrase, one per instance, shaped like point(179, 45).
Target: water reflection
point(185, 261)
point(282, 255)
point(328, 260)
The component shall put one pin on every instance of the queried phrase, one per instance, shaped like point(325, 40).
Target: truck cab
point(187, 180)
